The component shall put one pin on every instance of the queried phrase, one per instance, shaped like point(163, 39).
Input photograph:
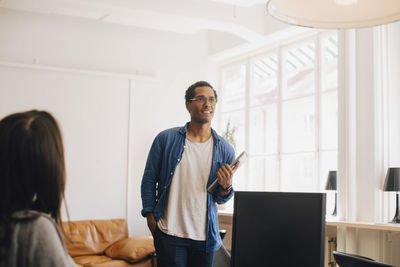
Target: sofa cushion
point(92, 237)
point(131, 249)
point(98, 261)
point(104, 261)
point(95, 259)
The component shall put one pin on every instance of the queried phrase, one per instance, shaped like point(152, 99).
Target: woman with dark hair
point(32, 183)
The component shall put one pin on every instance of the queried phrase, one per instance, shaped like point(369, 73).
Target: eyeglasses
point(202, 100)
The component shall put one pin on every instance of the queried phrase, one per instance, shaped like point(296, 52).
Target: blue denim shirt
point(165, 154)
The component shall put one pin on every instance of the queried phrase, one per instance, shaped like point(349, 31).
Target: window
point(282, 106)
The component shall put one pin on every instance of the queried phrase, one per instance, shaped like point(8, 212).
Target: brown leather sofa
point(99, 243)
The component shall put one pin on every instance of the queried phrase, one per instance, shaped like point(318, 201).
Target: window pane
point(257, 174)
point(299, 71)
point(240, 179)
point(298, 125)
point(282, 149)
point(233, 87)
point(329, 62)
point(298, 173)
point(236, 121)
point(329, 120)
point(272, 178)
point(263, 131)
point(263, 174)
point(265, 80)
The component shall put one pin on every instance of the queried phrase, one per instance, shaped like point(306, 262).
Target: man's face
point(201, 109)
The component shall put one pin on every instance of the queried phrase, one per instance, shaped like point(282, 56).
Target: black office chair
point(351, 260)
point(222, 257)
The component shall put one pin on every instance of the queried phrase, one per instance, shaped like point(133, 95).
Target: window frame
point(317, 94)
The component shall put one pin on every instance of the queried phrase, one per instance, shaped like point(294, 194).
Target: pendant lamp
point(335, 14)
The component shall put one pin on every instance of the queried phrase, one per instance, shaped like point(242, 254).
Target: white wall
point(368, 112)
point(393, 127)
point(394, 94)
point(166, 64)
point(95, 137)
point(359, 184)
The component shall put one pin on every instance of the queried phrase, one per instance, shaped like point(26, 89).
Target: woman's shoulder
point(29, 214)
point(41, 222)
point(37, 228)
point(38, 237)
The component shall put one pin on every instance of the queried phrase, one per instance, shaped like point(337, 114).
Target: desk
point(331, 226)
point(365, 225)
point(380, 240)
point(225, 219)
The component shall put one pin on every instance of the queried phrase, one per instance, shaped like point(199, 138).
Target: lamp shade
point(335, 14)
point(392, 182)
point(331, 181)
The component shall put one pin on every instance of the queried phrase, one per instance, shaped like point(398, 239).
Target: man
point(182, 163)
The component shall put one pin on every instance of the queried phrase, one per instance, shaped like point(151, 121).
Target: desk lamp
point(392, 183)
point(331, 185)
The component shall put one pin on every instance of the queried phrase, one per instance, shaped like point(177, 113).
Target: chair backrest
point(222, 257)
point(351, 260)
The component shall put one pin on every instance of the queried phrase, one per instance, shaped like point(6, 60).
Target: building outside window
point(282, 106)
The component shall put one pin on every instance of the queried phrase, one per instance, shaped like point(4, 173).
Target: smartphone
point(242, 158)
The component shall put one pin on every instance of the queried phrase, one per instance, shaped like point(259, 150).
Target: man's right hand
point(151, 223)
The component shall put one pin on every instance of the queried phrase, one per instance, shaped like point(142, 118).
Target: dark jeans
point(174, 251)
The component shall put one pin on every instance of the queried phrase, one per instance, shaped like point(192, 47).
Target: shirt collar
point(183, 131)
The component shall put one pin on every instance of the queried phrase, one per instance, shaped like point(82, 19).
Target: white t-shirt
point(186, 212)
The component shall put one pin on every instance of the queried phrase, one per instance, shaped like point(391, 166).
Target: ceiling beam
point(252, 23)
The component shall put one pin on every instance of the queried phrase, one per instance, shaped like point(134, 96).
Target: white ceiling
point(245, 20)
point(243, 3)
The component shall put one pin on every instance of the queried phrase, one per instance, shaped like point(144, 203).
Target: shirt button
point(172, 173)
point(179, 160)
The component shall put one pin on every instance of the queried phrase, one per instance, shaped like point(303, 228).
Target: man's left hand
point(225, 174)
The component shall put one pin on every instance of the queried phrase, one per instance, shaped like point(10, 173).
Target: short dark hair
point(32, 166)
point(190, 91)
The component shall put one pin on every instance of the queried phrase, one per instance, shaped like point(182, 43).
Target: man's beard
point(202, 121)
